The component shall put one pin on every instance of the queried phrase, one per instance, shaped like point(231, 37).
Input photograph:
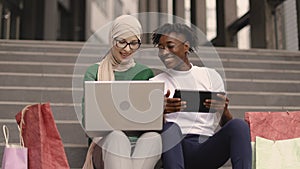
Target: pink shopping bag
point(274, 125)
point(273, 129)
point(15, 155)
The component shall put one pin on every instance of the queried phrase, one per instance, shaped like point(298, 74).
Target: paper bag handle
point(22, 117)
point(20, 126)
point(6, 134)
point(21, 137)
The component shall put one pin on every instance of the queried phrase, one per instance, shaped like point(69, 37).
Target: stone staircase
point(46, 71)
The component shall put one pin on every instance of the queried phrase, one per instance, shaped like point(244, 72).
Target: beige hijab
point(125, 26)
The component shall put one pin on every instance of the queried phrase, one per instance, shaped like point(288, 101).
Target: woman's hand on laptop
point(173, 104)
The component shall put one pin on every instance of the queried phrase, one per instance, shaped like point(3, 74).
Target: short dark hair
point(180, 28)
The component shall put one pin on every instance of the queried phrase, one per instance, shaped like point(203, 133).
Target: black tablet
point(194, 99)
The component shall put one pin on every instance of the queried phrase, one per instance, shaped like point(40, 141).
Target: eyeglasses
point(133, 45)
point(169, 46)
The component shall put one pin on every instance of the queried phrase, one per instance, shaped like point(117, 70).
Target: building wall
point(71, 20)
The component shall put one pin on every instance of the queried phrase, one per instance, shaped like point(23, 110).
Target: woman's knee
point(148, 145)
point(151, 138)
point(116, 141)
point(115, 135)
point(151, 135)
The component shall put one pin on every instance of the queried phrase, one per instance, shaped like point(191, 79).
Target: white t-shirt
point(197, 78)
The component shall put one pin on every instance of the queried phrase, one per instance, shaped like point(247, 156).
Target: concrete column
point(163, 6)
point(163, 9)
point(178, 9)
point(198, 14)
point(1, 16)
point(78, 7)
point(143, 7)
point(226, 14)
point(50, 22)
point(279, 25)
point(262, 25)
point(32, 20)
point(88, 19)
point(153, 19)
point(298, 21)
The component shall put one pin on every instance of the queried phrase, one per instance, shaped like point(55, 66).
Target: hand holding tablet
point(195, 99)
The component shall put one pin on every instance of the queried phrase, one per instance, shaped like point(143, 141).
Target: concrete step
point(68, 68)
point(52, 47)
point(41, 42)
point(67, 80)
point(242, 73)
point(61, 111)
point(41, 67)
point(40, 80)
point(57, 95)
point(208, 53)
point(42, 71)
point(258, 98)
point(239, 111)
point(44, 57)
point(75, 143)
point(258, 54)
point(65, 128)
point(75, 156)
point(231, 63)
point(243, 57)
point(263, 85)
point(205, 51)
point(279, 99)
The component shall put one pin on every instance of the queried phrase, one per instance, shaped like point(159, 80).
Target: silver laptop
point(123, 105)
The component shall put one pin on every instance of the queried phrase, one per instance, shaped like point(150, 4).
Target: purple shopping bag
point(15, 155)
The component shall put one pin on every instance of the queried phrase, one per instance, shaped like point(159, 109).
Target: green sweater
point(138, 72)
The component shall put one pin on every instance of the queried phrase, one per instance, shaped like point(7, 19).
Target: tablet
point(195, 99)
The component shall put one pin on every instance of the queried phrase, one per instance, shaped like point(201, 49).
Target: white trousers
point(116, 151)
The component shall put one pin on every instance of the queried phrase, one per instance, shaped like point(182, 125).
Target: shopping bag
point(274, 125)
point(88, 164)
point(41, 137)
point(15, 155)
point(94, 158)
point(281, 154)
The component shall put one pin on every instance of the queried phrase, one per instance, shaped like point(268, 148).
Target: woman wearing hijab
point(119, 149)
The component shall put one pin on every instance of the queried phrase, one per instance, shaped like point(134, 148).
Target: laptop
point(123, 105)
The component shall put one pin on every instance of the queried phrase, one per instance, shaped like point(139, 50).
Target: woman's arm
point(91, 73)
